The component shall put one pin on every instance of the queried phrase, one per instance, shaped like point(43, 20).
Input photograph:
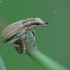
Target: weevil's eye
point(36, 23)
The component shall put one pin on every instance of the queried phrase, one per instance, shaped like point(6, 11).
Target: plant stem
point(2, 66)
point(41, 59)
point(2, 24)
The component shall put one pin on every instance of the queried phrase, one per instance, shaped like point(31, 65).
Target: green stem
point(42, 60)
point(2, 25)
point(2, 66)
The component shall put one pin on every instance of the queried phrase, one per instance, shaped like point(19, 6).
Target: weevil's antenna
point(51, 14)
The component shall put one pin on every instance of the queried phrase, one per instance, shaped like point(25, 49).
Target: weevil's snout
point(42, 24)
point(39, 24)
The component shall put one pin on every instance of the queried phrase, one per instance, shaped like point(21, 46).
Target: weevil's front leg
point(32, 35)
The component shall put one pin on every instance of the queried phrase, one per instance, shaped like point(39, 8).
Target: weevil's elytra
point(11, 30)
point(10, 38)
point(19, 31)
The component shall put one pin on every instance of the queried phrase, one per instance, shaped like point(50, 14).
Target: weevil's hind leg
point(12, 42)
point(32, 35)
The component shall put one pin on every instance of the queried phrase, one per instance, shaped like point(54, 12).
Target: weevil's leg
point(12, 42)
point(17, 37)
point(24, 49)
point(32, 35)
point(24, 37)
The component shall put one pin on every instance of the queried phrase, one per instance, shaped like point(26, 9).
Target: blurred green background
point(53, 40)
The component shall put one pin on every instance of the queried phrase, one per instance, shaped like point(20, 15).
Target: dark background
point(53, 40)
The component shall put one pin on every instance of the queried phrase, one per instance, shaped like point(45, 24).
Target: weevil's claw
point(34, 45)
point(24, 52)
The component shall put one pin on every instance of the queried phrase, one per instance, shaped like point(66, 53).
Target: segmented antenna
point(51, 14)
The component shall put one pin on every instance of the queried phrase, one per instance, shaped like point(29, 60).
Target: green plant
point(40, 58)
point(2, 66)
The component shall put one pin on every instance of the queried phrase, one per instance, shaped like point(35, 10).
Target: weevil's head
point(34, 22)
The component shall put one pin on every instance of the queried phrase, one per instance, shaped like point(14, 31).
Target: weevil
point(19, 31)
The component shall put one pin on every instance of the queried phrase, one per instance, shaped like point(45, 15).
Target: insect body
point(19, 30)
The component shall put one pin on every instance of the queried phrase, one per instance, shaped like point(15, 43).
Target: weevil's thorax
point(33, 22)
